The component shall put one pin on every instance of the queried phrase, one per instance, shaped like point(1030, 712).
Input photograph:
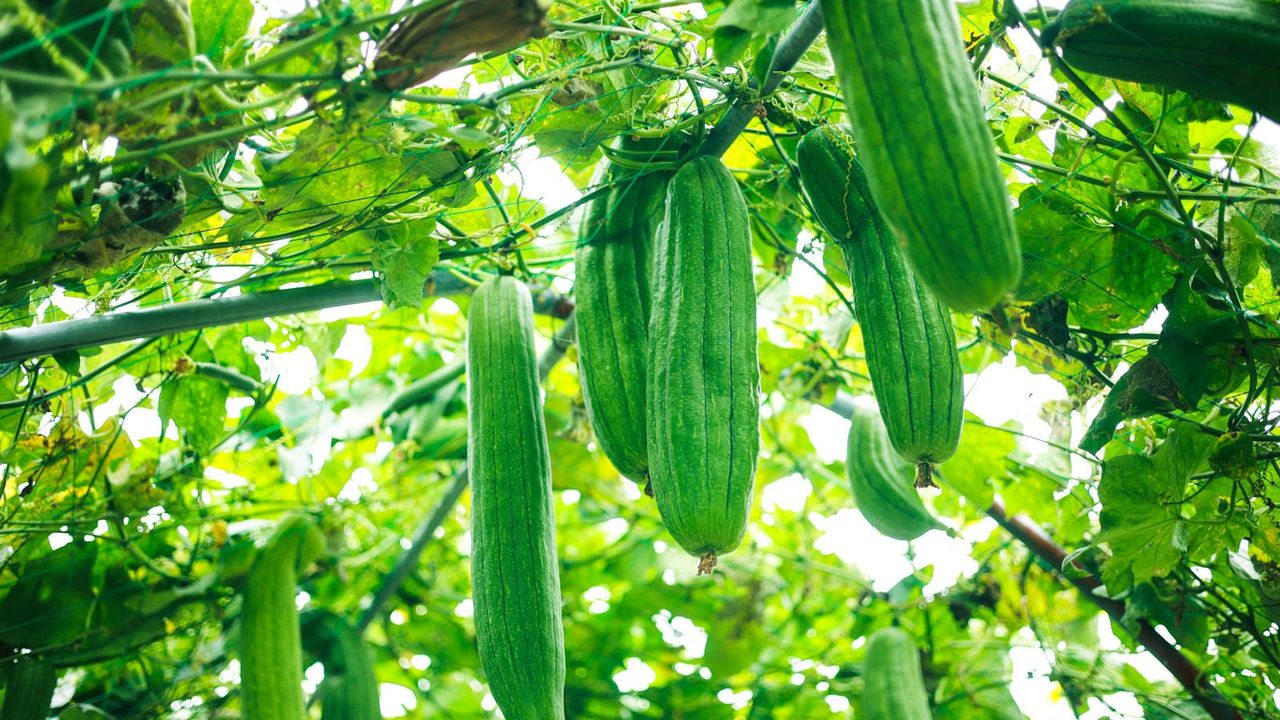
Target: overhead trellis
point(185, 184)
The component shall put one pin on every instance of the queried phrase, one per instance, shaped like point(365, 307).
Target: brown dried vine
point(426, 44)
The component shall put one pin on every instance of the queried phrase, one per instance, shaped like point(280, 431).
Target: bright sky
point(1000, 393)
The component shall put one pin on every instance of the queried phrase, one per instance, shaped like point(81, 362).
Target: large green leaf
point(1143, 518)
point(197, 405)
point(218, 24)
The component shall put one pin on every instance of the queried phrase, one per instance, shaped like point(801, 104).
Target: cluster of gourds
point(666, 337)
point(687, 281)
point(666, 321)
point(665, 301)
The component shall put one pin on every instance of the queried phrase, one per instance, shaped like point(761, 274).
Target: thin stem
point(610, 30)
point(1125, 193)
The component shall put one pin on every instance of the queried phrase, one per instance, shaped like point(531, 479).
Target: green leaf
point(1110, 279)
point(95, 41)
point(197, 405)
point(314, 59)
point(1178, 709)
point(1194, 353)
point(1027, 489)
point(52, 597)
point(1166, 116)
point(136, 614)
point(783, 368)
point(1073, 154)
point(1177, 611)
point(745, 20)
point(469, 138)
point(337, 171)
point(219, 24)
point(81, 711)
point(1149, 387)
point(405, 253)
point(979, 462)
point(27, 221)
point(572, 135)
point(1142, 508)
point(1265, 222)
point(763, 61)
point(1244, 246)
point(162, 34)
point(1192, 321)
point(69, 361)
point(976, 686)
point(741, 640)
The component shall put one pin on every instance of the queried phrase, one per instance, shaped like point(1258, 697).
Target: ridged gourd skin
point(514, 571)
point(929, 155)
point(704, 378)
point(909, 339)
point(1226, 50)
point(893, 686)
point(349, 690)
point(270, 640)
point(613, 265)
point(881, 481)
point(28, 690)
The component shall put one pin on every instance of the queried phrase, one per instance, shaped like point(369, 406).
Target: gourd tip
point(707, 563)
point(924, 475)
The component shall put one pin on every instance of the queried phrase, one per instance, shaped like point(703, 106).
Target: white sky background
point(1000, 393)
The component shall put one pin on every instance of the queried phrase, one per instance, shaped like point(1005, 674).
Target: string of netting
point(275, 263)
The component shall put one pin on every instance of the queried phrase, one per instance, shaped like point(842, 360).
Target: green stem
point(422, 390)
point(790, 48)
point(611, 30)
point(234, 379)
point(30, 342)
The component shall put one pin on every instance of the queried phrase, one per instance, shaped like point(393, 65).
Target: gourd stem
point(424, 389)
point(924, 475)
point(790, 49)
